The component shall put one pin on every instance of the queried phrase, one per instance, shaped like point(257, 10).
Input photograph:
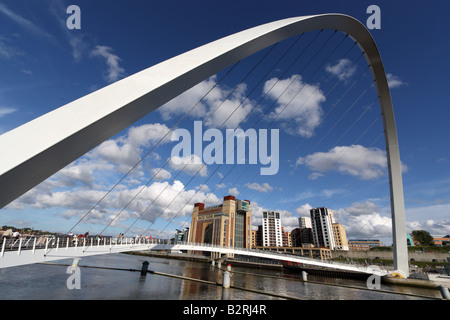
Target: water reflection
point(49, 282)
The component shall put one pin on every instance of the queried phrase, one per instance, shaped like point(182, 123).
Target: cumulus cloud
point(220, 108)
point(79, 173)
point(303, 210)
point(159, 200)
point(432, 218)
point(183, 103)
point(232, 111)
point(394, 81)
point(434, 227)
point(233, 191)
point(364, 220)
point(298, 104)
point(264, 187)
point(125, 151)
point(356, 160)
point(96, 170)
point(343, 69)
point(115, 71)
point(159, 174)
point(367, 220)
point(190, 164)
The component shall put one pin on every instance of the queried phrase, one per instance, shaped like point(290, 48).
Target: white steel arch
point(36, 150)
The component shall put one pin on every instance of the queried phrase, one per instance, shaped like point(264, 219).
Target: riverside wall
point(388, 255)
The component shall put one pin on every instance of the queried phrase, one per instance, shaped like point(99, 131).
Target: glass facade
point(208, 233)
point(239, 230)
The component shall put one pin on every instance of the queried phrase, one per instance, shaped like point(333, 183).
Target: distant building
point(409, 240)
point(271, 229)
point(304, 222)
point(296, 238)
point(322, 220)
point(301, 237)
point(306, 236)
point(309, 251)
point(287, 241)
point(441, 240)
point(227, 224)
point(254, 242)
point(363, 244)
point(181, 235)
point(340, 237)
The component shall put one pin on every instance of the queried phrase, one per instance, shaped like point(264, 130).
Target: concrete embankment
point(318, 271)
point(388, 255)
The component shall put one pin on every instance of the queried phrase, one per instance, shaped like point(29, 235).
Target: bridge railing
point(52, 242)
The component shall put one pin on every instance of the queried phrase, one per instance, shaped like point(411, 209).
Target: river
point(49, 282)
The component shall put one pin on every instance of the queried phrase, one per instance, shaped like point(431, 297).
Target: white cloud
point(440, 227)
point(121, 154)
point(6, 110)
point(125, 151)
point(356, 160)
point(298, 104)
point(220, 108)
point(148, 134)
point(328, 193)
point(79, 172)
point(343, 69)
point(7, 51)
point(203, 188)
point(437, 212)
point(104, 163)
point(315, 176)
point(303, 210)
point(115, 72)
point(372, 225)
point(158, 200)
point(265, 187)
point(79, 46)
point(364, 220)
point(231, 112)
point(234, 191)
point(367, 220)
point(394, 81)
point(183, 103)
point(190, 164)
point(160, 174)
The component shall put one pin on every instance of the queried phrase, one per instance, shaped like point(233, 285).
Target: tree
point(424, 237)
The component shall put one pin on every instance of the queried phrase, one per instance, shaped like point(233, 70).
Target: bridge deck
point(16, 252)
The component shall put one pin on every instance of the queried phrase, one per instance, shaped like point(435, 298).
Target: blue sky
point(334, 159)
